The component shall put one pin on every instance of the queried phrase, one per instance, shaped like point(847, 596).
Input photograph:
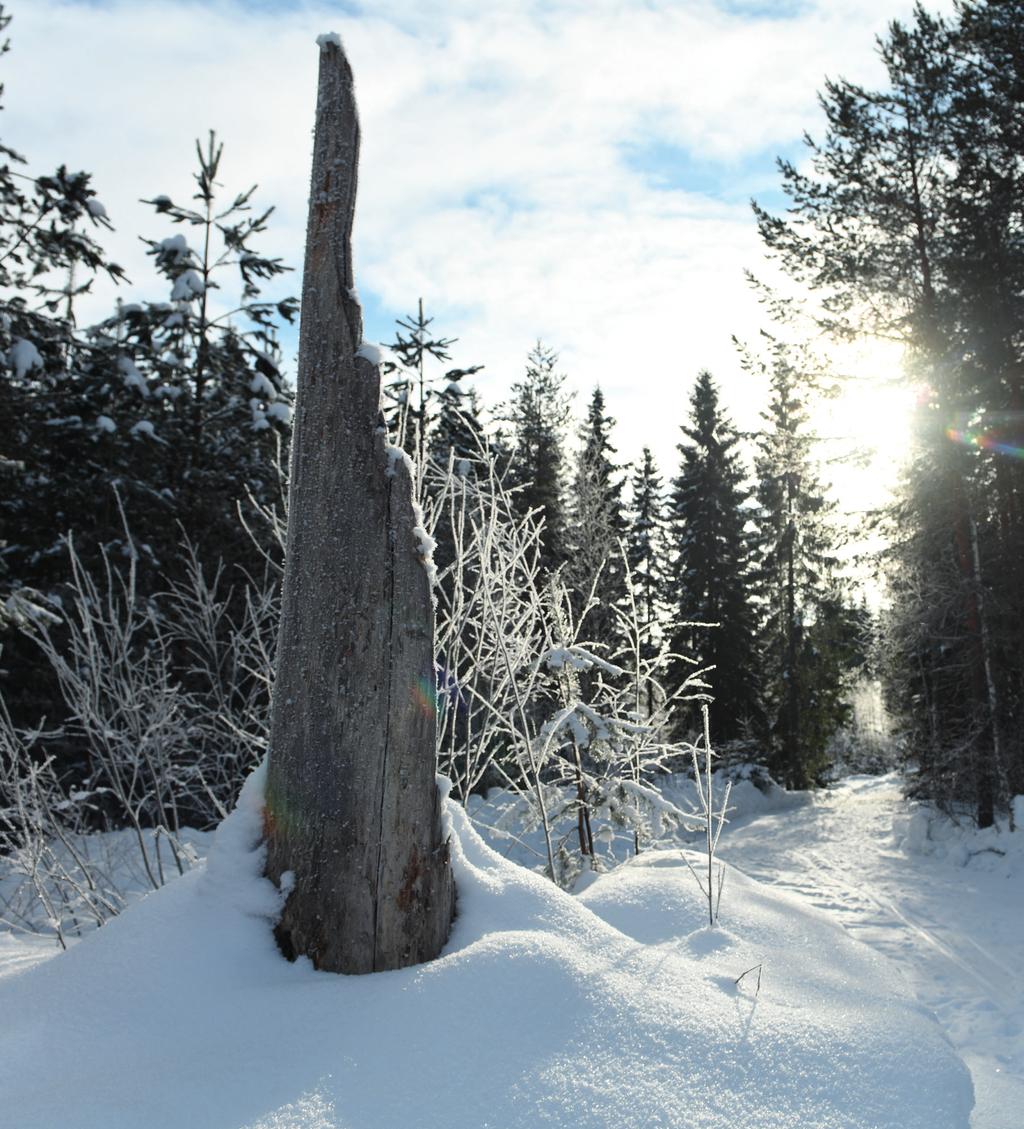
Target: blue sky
point(576, 170)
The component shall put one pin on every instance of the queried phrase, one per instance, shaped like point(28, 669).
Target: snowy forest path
point(954, 924)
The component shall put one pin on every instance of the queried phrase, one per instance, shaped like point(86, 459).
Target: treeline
point(169, 420)
point(731, 562)
point(163, 424)
point(908, 224)
point(155, 443)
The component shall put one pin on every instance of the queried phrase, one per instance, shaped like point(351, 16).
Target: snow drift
point(616, 1008)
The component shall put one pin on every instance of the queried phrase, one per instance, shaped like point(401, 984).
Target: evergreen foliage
point(137, 434)
point(808, 632)
point(49, 256)
point(407, 393)
point(908, 226)
point(647, 554)
point(458, 430)
point(647, 545)
point(538, 414)
point(166, 410)
point(428, 413)
point(210, 401)
point(712, 584)
point(597, 529)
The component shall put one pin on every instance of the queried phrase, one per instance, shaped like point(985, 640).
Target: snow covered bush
point(164, 703)
point(172, 410)
point(164, 697)
point(525, 701)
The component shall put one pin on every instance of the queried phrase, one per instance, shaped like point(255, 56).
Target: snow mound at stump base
point(614, 1009)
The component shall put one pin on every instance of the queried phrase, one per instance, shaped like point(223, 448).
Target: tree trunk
point(983, 690)
point(352, 807)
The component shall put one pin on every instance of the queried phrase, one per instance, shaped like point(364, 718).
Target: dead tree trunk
point(352, 807)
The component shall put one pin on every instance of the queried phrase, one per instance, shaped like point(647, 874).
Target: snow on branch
point(578, 658)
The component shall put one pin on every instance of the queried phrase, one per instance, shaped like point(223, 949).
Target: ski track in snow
point(955, 932)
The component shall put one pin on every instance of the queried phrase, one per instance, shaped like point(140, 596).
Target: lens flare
point(999, 432)
point(424, 695)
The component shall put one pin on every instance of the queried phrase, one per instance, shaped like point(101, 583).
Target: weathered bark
point(352, 807)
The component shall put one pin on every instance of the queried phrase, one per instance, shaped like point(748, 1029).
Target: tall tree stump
point(352, 806)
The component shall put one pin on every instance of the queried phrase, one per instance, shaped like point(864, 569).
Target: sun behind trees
point(907, 226)
point(561, 593)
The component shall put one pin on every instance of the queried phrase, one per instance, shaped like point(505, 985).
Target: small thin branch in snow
point(757, 968)
point(714, 819)
point(504, 833)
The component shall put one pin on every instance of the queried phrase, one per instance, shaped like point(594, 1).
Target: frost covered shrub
point(165, 700)
point(166, 697)
point(525, 701)
point(172, 410)
point(57, 875)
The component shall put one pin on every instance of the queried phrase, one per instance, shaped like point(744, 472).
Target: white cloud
point(496, 180)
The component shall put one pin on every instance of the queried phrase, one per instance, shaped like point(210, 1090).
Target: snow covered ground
point(942, 902)
point(615, 1007)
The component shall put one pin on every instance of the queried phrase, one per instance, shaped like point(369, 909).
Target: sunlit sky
point(577, 171)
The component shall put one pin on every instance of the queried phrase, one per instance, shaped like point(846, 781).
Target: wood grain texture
point(352, 807)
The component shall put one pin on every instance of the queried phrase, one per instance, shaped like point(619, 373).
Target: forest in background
point(586, 609)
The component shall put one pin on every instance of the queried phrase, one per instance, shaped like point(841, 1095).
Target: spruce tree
point(457, 441)
point(458, 431)
point(407, 393)
point(50, 255)
point(428, 412)
point(906, 224)
point(597, 529)
point(148, 428)
point(808, 633)
point(712, 563)
point(647, 543)
point(537, 414)
point(647, 553)
point(211, 407)
point(169, 413)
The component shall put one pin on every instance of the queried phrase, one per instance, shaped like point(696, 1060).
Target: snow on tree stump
point(353, 819)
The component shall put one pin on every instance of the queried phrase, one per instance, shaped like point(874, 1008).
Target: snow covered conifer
point(646, 543)
point(713, 561)
point(49, 257)
point(538, 412)
point(180, 404)
point(417, 403)
point(211, 405)
point(809, 635)
point(458, 431)
point(647, 550)
point(597, 529)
